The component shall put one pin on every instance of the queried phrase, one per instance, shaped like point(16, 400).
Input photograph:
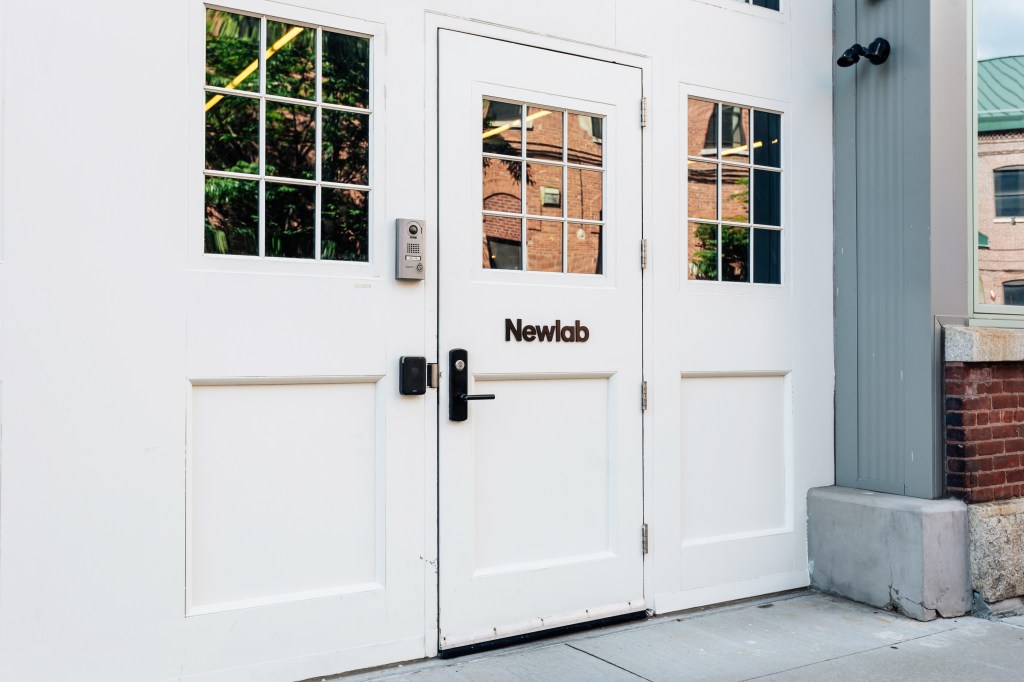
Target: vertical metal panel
point(884, 325)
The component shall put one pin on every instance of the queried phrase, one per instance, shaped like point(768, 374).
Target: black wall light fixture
point(876, 53)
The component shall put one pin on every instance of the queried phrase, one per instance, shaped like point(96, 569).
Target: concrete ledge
point(997, 549)
point(983, 344)
point(890, 551)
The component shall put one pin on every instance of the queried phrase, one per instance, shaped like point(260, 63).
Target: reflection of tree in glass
point(232, 216)
point(704, 260)
point(344, 221)
point(496, 144)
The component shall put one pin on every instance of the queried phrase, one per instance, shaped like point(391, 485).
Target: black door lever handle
point(458, 385)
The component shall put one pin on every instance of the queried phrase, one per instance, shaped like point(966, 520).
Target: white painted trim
point(717, 594)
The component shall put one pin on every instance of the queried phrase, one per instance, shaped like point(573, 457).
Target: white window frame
point(197, 258)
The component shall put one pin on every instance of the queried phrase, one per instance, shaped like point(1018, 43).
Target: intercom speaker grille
point(413, 248)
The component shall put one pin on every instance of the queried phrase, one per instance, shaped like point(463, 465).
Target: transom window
point(287, 172)
point(543, 189)
point(734, 189)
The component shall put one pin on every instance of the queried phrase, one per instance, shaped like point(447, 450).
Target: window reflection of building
point(1000, 180)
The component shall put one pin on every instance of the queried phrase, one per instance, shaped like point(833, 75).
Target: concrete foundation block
point(997, 549)
point(890, 551)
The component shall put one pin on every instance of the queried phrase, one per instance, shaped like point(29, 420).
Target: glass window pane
point(233, 134)
point(232, 216)
point(585, 194)
point(702, 190)
point(502, 128)
point(1010, 206)
point(702, 127)
point(735, 133)
point(702, 251)
point(291, 141)
point(584, 245)
point(290, 221)
point(735, 254)
point(345, 70)
point(232, 50)
point(585, 137)
point(543, 134)
point(736, 194)
point(291, 60)
point(502, 187)
point(1010, 181)
point(767, 139)
point(768, 4)
point(767, 256)
point(346, 147)
point(344, 225)
point(502, 243)
point(544, 189)
point(544, 245)
point(767, 197)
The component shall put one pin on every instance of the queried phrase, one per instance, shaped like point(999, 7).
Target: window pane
point(544, 190)
point(233, 134)
point(544, 245)
point(543, 134)
point(291, 141)
point(232, 50)
point(344, 225)
point(585, 194)
point(584, 245)
point(585, 137)
point(735, 254)
point(702, 250)
point(346, 147)
point(1009, 181)
point(502, 128)
point(767, 139)
point(502, 187)
point(767, 256)
point(736, 194)
point(232, 216)
point(291, 60)
point(769, 4)
point(1010, 206)
point(290, 221)
point(502, 243)
point(346, 70)
point(702, 125)
point(735, 133)
point(702, 190)
point(767, 197)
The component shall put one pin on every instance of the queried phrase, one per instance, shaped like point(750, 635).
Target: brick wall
point(984, 420)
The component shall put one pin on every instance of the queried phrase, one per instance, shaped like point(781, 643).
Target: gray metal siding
point(884, 326)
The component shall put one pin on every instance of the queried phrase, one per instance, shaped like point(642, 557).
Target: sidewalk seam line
point(583, 651)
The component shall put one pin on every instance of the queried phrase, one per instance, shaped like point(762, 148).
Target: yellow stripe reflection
point(514, 124)
point(247, 71)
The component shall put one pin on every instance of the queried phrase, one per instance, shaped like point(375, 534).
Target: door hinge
point(643, 396)
point(645, 542)
point(643, 112)
point(643, 254)
point(433, 378)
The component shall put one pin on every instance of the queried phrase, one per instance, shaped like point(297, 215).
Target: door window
point(543, 189)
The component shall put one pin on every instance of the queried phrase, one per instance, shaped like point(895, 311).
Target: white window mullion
point(318, 129)
point(262, 207)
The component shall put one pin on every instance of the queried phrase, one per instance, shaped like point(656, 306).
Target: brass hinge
point(643, 112)
point(643, 396)
point(433, 378)
point(645, 542)
point(643, 254)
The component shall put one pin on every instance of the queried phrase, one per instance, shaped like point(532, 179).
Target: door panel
point(541, 501)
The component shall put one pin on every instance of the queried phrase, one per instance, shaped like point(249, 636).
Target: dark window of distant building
point(769, 4)
point(1013, 292)
point(1009, 185)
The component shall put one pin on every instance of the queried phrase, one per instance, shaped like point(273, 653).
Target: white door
point(541, 496)
point(304, 464)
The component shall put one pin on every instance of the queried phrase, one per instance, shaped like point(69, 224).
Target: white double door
point(540, 288)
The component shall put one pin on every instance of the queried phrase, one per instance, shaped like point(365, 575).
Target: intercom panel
point(411, 249)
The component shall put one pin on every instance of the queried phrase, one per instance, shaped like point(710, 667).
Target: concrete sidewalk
point(797, 636)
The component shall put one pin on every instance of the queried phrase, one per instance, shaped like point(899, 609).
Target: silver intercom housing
point(411, 249)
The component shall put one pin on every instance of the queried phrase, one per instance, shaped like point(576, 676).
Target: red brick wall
point(984, 418)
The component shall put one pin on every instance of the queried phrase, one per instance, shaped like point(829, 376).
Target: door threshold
point(503, 642)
